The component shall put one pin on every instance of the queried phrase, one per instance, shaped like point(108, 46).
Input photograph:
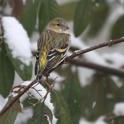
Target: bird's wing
point(39, 46)
point(42, 51)
point(58, 52)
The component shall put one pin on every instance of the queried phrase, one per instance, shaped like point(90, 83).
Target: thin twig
point(113, 117)
point(80, 52)
point(75, 54)
point(37, 91)
point(100, 45)
point(97, 67)
point(17, 97)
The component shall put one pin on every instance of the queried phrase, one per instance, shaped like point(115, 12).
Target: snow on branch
point(17, 39)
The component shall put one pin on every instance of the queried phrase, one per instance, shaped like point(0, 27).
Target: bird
point(52, 46)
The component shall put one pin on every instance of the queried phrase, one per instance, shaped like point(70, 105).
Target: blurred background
point(84, 94)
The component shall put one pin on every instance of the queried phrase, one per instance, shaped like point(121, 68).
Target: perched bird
point(52, 46)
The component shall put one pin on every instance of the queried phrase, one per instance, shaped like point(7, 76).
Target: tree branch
point(97, 67)
point(113, 117)
point(68, 59)
point(80, 52)
point(104, 44)
point(8, 105)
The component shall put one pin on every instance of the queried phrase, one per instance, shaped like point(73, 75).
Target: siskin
point(52, 46)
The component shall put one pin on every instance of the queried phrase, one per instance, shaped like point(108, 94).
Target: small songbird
point(52, 46)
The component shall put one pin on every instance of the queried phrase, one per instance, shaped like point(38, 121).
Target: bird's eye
point(58, 24)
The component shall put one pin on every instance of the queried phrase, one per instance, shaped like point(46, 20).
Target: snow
point(73, 69)
point(34, 46)
point(85, 75)
point(55, 76)
point(61, 2)
point(93, 104)
point(119, 109)
point(84, 121)
point(23, 116)
point(3, 102)
point(76, 42)
point(117, 81)
point(24, 1)
point(8, 9)
point(116, 59)
point(57, 79)
point(48, 119)
point(42, 91)
point(34, 38)
point(22, 67)
point(17, 39)
point(91, 56)
point(100, 120)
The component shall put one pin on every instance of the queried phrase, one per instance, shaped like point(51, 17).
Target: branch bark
point(69, 59)
point(113, 117)
point(101, 45)
point(8, 105)
point(98, 46)
point(97, 67)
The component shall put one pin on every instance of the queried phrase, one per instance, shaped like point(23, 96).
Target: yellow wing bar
point(61, 50)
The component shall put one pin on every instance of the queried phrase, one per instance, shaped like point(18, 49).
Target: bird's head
point(58, 25)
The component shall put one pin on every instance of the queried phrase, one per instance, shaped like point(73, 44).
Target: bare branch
point(104, 44)
point(80, 52)
point(17, 97)
point(113, 117)
point(97, 67)
point(69, 59)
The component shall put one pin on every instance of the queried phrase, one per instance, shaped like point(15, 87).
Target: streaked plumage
point(52, 46)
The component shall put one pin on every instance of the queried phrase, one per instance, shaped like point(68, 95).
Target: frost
point(17, 39)
point(119, 109)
